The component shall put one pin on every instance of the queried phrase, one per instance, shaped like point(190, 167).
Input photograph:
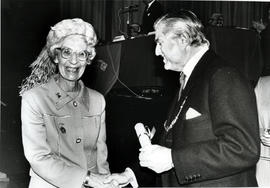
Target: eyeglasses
point(67, 53)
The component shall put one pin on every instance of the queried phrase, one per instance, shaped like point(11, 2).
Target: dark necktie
point(182, 83)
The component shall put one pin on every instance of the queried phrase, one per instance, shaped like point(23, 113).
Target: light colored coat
point(63, 136)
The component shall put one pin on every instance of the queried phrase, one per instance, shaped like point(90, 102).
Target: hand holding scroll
point(156, 157)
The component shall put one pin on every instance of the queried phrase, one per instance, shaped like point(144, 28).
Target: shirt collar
point(190, 65)
point(149, 4)
point(61, 97)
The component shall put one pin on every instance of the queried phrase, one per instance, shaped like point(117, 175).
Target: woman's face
point(72, 58)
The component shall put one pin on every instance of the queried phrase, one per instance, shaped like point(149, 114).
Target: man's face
point(172, 49)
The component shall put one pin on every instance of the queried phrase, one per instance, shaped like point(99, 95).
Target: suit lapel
point(197, 73)
point(195, 77)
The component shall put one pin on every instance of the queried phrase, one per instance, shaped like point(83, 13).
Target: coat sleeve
point(234, 123)
point(102, 151)
point(43, 162)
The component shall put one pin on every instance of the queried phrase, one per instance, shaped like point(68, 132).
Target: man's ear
point(184, 38)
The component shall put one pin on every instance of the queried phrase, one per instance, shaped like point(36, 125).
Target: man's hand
point(156, 157)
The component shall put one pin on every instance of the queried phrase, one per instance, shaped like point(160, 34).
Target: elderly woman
point(63, 122)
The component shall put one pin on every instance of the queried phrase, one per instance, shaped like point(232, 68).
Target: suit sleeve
point(144, 176)
point(38, 153)
point(234, 123)
point(102, 151)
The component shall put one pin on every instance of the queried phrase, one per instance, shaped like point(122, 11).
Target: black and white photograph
point(134, 93)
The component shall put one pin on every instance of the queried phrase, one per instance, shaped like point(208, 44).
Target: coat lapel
point(195, 77)
point(61, 98)
point(197, 73)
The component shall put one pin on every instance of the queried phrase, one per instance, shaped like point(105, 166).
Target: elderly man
point(211, 136)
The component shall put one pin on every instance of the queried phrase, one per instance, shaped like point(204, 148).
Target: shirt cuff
point(133, 180)
point(171, 159)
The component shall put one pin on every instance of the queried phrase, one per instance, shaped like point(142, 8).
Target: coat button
point(75, 104)
point(63, 130)
point(78, 140)
point(58, 95)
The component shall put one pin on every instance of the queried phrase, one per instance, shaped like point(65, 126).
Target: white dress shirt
point(190, 65)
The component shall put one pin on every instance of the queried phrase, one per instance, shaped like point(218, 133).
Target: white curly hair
point(43, 68)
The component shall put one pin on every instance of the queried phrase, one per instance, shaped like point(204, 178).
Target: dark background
point(24, 27)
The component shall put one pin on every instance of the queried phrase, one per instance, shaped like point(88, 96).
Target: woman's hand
point(119, 179)
point(96, 181)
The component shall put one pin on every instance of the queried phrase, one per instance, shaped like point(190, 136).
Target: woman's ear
point(93, 54)
point(55, 58)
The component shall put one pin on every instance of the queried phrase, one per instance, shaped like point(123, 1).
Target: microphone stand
point(128, 24)
point(129, 12)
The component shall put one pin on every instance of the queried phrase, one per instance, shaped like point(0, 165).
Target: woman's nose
point(73, 59)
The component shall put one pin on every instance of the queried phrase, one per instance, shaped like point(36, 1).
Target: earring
point(56, 60)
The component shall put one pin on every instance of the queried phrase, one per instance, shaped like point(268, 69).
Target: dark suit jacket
point(150, 16)
point(220, 147)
